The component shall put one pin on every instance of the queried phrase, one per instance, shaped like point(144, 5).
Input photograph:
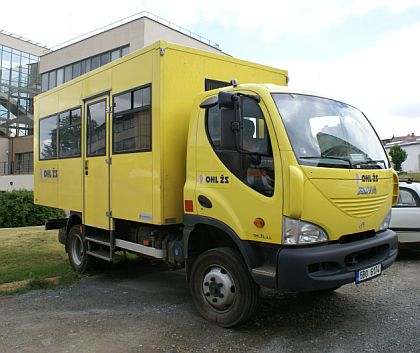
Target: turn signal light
point(259, 222)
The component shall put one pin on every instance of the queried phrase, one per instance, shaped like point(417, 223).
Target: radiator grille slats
point(361, 207)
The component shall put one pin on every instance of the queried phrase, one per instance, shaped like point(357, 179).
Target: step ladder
point(101, 246)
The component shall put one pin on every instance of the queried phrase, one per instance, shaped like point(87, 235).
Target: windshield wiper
point(329, 157)
point(372, 162)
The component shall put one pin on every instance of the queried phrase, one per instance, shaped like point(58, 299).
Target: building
point(411, 144)
point(86, 53)
point(27, 68)
point(19, 83)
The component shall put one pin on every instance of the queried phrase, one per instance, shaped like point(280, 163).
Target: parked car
point(405, 219)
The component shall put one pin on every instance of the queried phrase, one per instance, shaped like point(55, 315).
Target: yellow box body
point(142, 186)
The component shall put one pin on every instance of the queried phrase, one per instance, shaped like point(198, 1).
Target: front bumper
point(333, 265)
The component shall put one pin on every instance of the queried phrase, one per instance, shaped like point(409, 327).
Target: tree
point(398, 156)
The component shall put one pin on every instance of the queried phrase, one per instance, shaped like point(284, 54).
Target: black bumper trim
point(324, 267)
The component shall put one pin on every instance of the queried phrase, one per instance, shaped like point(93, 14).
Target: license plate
point(367, 273)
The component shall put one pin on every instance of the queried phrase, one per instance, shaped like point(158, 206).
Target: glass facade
point(19, 83)
point(63, 74)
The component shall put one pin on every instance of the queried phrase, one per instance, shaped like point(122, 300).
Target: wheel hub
point(219, 288)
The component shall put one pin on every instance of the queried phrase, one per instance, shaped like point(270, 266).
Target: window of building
point(44, 81)
point(52, 79)
point(77, 69)
point(116, 54)
point(105, 58)
point(87, 65)
point(68, 73)
point(57, 77)
point(48, 138)
point(95, 62)
point(23, 163)
point(69, 133)
point(132, 121)
point(124, 50)
point(60, 76)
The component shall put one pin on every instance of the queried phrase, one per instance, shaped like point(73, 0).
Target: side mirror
point(228, 105)
point(227, 100)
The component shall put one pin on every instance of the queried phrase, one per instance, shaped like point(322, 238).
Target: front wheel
point(222, 289)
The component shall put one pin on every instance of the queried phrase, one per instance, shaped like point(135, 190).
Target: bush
point(17, 209)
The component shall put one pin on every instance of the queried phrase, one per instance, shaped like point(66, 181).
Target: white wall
point(16, 182)
point(412, 163)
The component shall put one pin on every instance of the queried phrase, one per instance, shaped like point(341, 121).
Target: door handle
point(204, 201)
point(86, 167)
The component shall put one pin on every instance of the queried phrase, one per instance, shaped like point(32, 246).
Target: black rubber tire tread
point(247, 298)
point(88, 262)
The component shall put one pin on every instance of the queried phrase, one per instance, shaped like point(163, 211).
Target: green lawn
point(405, 175)
point(31, 257)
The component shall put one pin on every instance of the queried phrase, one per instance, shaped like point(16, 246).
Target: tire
point(222, 288)
point(79, 260)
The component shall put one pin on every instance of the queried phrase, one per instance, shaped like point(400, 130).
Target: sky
point(365, 53)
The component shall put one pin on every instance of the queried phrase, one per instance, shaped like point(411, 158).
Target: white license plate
point(366, 273)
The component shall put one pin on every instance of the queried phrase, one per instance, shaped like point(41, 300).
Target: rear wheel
point(76, 248)
point(222, 289)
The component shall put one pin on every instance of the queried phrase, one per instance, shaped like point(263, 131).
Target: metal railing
point(16, 168)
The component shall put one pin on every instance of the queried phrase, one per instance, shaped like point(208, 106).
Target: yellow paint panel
point(132, 186)
point(70, 184)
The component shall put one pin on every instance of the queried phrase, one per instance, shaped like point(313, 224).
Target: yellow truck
point(162, 154)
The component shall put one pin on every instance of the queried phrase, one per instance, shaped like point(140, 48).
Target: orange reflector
point(259, 222)
point(189, 207)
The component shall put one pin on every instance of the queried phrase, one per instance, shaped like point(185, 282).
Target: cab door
point(239, 171)
point(96, 207)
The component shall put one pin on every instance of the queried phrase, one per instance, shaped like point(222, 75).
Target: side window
point(48, 138)
point(255, 137)
point(132, 121)
point(407, 198)
point(69, 133)
point(251, 160)
point(96, 129)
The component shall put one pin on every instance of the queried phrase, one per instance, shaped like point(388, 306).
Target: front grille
point(360, 207)
point(350, 238)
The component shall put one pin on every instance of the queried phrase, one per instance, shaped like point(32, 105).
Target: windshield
point(328, 133)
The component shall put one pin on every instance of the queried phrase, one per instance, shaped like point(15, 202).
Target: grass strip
point(30, 258)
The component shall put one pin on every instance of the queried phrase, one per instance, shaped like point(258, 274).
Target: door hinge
point(108, 161)
point(109, 214)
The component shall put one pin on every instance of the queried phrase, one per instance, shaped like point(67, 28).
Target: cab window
point(249, 154)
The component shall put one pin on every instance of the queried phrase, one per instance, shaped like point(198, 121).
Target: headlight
point(385, 223)
point(297, 232)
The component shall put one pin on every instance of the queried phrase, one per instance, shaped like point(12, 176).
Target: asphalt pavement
point(146, 308)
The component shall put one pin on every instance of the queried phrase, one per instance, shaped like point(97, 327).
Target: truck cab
point(299, 183)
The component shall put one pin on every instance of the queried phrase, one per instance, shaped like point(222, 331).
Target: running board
point(141, 249)
point(102, 254)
